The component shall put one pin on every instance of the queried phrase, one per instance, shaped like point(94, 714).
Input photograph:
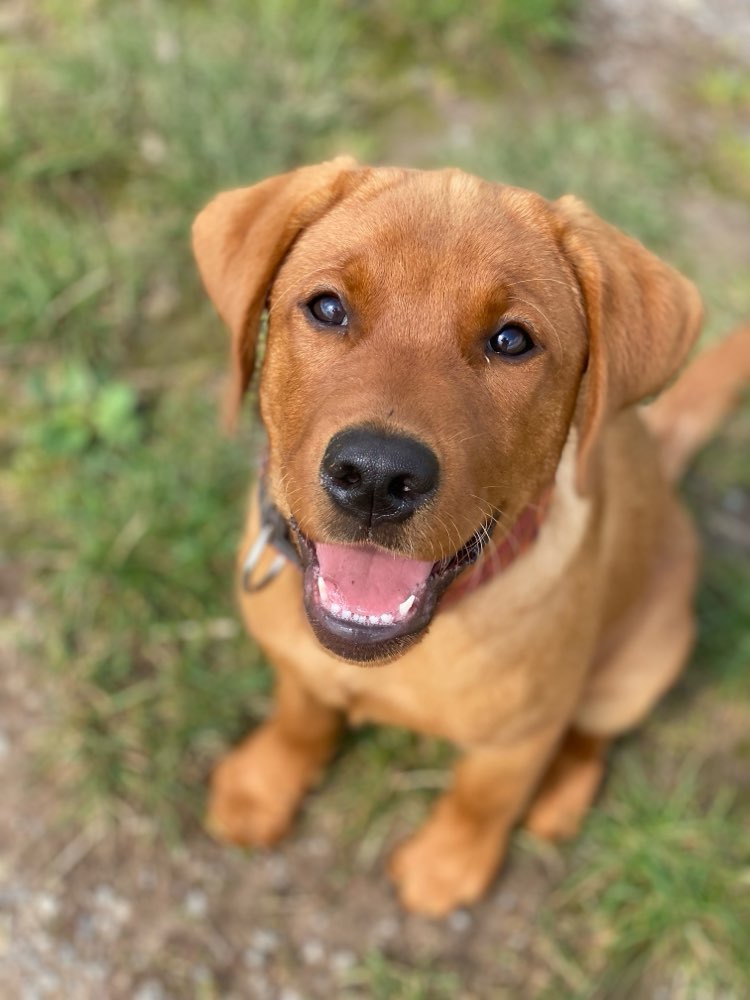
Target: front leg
point(257, 788)
point(452, 859)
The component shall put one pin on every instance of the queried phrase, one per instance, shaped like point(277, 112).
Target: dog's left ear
point(240, 240)
point(642, 315)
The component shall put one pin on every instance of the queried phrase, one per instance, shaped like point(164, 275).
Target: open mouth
point(366, 603)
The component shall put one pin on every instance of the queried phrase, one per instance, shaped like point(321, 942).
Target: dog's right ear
point(240, 240)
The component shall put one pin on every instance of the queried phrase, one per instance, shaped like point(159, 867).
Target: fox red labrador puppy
point(464, 525)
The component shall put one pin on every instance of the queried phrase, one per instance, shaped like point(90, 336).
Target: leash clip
point(274, 531)
point(265, 537)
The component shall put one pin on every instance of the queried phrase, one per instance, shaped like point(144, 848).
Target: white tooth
point(336, 609)
point(405, 608)
point(346, 614)
point(322, 590)
point(374, 620)
point(386, 619)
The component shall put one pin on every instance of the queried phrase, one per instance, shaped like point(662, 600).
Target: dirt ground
point(88, 912)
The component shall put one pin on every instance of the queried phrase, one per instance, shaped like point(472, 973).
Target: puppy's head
point(432, 337)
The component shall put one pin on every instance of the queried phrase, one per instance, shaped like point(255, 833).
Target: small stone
point(196, 904)
point(150, 989)
point(264, 941)
point(460, 921)
point(47, 906)
point(312, 952)
point(343, 961)
point(111, 904)
point(48, 984)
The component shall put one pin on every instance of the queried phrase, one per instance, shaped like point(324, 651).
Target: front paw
point(449, 863)
point(257, 788)
point(561, 805)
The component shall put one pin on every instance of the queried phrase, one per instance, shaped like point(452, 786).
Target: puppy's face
point(425, 350)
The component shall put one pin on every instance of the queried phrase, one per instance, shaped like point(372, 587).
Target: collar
point(495, 557)
point(499, 555)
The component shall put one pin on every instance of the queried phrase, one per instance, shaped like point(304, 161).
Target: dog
point(465, 523)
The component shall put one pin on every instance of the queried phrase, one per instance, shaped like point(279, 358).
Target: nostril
point(345, 474)
point(400, 487)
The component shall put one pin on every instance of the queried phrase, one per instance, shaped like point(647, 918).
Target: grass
point(124, 501)
point(603, 156)
point(134, 571)
point(726, 91)
point(662, 889)
point(387, 980)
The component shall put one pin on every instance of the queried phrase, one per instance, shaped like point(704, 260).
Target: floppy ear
point(642, 315)
point(240, 240)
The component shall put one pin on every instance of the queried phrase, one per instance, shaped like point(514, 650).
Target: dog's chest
point(485, 664)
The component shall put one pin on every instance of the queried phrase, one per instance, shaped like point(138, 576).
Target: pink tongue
point(368, 580)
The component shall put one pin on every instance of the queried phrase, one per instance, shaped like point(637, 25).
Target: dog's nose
point(378, 476)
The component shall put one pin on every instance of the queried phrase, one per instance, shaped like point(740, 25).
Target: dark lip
point(380, 644)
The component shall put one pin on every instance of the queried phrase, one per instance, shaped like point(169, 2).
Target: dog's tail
point(685, 416)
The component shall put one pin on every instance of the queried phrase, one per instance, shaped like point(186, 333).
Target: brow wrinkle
point(541, 281)
point(572, 287)
point(549, 322)
point(291, 293)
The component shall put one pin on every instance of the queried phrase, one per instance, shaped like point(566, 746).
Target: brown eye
point(328, 309)
point(510, 342)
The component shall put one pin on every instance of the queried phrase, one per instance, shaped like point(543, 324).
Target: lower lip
point(362, 641)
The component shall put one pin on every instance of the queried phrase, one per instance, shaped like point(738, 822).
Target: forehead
point(414, 231)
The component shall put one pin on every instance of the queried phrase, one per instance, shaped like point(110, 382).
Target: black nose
point(378, 476)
